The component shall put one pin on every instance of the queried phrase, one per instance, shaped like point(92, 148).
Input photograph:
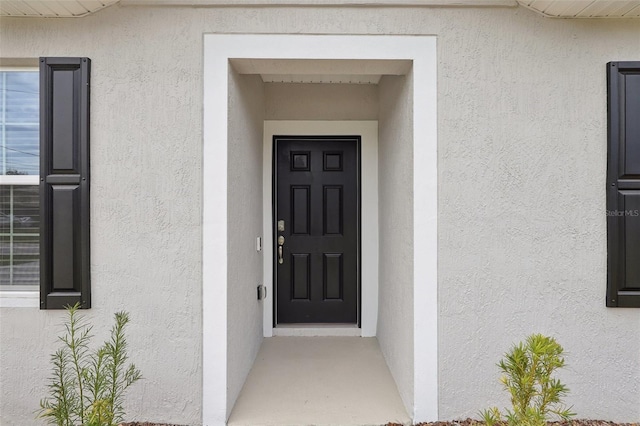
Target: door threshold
point(311, 330)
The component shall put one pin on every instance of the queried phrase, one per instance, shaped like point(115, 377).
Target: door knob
point(280, 244)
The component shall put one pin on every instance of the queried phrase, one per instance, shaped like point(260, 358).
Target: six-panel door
point(317, 208)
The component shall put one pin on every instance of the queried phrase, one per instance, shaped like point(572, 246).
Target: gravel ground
point(468, 422)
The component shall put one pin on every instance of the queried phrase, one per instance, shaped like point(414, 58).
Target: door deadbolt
point(281, 226)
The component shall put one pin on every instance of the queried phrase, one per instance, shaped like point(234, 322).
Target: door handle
point(280, 244)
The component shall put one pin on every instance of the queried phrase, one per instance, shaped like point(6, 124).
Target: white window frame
point(20, 298)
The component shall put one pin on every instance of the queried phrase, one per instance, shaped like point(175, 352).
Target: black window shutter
point(623, 184)
point(64, 182)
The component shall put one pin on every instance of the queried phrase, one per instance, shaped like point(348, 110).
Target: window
point(44, 184)
point(623, 184)
point(19, 171)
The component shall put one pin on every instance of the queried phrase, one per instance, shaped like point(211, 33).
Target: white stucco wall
point(522, 224)
point(522, 161)
point(244, 207)
point(297, 101)
point(395, 313)
point(146, 218)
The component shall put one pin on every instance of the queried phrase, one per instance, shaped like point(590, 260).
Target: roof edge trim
point(213, 3)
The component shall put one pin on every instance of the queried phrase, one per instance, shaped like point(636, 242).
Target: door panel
point(317, 198)
point(300, 276)
point(300, 209)
point(333, 211)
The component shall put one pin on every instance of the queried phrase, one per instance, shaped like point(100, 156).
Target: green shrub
point(88, 388)
point(535, 395)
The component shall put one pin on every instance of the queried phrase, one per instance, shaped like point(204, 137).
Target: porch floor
point(297, 381)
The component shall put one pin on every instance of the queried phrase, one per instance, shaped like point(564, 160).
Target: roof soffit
point(548, 8)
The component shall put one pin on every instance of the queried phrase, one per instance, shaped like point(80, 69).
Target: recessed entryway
point(319, 381)
point(236, 211)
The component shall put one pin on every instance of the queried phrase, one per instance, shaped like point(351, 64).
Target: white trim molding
point(431, 3)
point(19, 180)
point(19, 299)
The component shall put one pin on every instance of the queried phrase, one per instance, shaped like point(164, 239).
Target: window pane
point(19, 123)
point(22, 147)
point(19, 235)
point(26, 211)
point(22, 100)
point(22, 270)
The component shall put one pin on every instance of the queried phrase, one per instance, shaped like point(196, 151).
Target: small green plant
point(535, 395)
point(88, 388)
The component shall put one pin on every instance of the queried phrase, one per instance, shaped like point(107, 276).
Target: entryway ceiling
point(321, 71)
point(549, 8)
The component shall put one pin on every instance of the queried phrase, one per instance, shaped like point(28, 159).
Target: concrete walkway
point(297, 381)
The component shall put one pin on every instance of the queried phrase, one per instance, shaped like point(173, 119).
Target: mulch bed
point(147, 424)
point(468, 422)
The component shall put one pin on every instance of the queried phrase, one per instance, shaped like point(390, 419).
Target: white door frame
point(368, 130)
point(218, 50)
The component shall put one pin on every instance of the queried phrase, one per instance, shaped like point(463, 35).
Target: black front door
point(317, 229)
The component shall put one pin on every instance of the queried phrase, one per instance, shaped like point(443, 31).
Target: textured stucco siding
point(521, 215)
point(522, 223)
point(298, 101)
point(146, 132)
point(395, 312)
point(244, 270)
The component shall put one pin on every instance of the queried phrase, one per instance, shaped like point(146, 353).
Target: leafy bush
point(88, 388)
point(535, 395)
